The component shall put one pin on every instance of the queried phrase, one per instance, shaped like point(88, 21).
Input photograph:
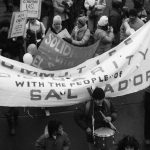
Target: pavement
point(31, 124)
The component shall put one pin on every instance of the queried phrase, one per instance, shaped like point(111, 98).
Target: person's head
point(98, 95)
point(54, 127)
point(81, 21)
point(138, 4)
point(133, 14)
point(4, 25)
point(57, 22)
point(125, 11)
point(103, 23)
point(32, 20)
point(128, 143)
point(117, 4)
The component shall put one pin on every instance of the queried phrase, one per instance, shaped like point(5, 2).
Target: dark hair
point(133, 12)
point(105, 28)
point(53, 126)
point(98, 93)
point(4, 23)
point(138, 4)
point(128, 141)
point(125, 11)
point(116, 4)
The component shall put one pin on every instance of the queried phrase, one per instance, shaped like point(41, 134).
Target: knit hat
point(57, 19)
point(82, 20)
point(98, 93)
point(103, 21)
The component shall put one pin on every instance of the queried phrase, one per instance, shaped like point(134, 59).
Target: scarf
point(57, 30)
point(77, 30)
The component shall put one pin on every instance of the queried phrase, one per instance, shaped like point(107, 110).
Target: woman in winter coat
point(81, 34)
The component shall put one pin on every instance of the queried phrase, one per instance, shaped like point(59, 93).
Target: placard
point(18, 24)
point(33, 7)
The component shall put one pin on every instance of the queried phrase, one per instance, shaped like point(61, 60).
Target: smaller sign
point(33, 7)
point(64, 34)
point(55, 54)
point(18, 24)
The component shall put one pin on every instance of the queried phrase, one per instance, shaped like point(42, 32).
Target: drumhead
point(104, 132)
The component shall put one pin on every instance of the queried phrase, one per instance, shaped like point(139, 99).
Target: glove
point(69, 40)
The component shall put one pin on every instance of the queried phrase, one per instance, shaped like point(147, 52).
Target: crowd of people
point(87, 23)
point(85, 20)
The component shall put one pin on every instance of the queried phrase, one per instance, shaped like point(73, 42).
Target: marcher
point(57, 24)
point(115, 20)
point(104, 33)
point(62, 8)
point(99, 113)
point(54, 137)
point(77, 10)
point(35, 31)
point(8, 5)
point(130, 25)
point(147, 116)
point(47, 13)
point(80, 34)
point(139, 6)
point(128, 143)
point(94, 12)
point(12, 119)
point(12, 47)
point(147, 7)
point(4, 29)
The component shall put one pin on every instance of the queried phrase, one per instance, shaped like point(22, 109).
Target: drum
point(104, 138)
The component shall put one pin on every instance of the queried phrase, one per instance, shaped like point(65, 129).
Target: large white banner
point(122, 70)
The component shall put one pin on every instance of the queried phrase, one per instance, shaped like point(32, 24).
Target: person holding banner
point(57, 24)
point(35, 31)
point(54, 137)
point(130, 25)
point(81, 34)
point(104, 33)
point(97, 114)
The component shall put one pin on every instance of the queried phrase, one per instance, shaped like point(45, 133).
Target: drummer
point(97, 113)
